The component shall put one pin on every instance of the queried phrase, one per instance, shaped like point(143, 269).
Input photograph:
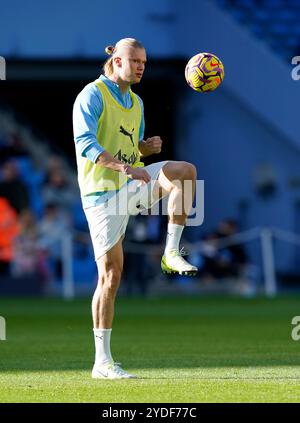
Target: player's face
point(133, 62)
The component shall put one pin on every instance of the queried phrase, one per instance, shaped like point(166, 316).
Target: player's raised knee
point(189, 170)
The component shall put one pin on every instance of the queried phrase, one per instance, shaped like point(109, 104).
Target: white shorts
point(108, 221)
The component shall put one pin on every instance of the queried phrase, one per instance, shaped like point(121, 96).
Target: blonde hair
point(108, 67)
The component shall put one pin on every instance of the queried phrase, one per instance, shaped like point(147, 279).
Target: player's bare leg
point(110, 268)
point(176, 179)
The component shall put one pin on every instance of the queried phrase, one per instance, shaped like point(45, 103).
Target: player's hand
point(153, 145)
point(138, 173)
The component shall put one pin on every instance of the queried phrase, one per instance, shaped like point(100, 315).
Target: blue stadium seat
point(24, 165)
point(33, 179)
point(29, 174)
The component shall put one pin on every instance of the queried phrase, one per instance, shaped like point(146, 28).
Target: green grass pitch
point(183, 350)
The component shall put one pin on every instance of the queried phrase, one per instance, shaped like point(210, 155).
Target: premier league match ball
point(204, 72)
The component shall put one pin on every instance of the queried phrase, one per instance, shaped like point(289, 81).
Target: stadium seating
point(276, 22)
point(33, 178)
point(84, 269)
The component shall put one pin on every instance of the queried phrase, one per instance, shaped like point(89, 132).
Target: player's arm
point(87, 110)
point(107, 160)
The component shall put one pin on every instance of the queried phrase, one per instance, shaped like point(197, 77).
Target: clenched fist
point(150, 146)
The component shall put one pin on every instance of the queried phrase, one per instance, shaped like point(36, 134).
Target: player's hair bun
point(109, 50)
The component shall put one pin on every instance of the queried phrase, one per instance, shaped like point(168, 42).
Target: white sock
point(173, 237)
point(102, 344)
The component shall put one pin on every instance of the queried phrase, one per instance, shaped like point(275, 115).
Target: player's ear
point(118, 61)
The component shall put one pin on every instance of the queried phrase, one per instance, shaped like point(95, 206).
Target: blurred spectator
point(12, 188)
point(230, 261)
point(52, 228)
point(237, 252)
point(9, 229)
point(225, 262)
point(11, 146)
point(57, 190)
point(240, 265)
point(214, 265)
point(55, 165)
point(137, 265)
point(29, 258)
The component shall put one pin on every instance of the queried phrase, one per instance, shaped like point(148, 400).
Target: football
point(204, 72)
